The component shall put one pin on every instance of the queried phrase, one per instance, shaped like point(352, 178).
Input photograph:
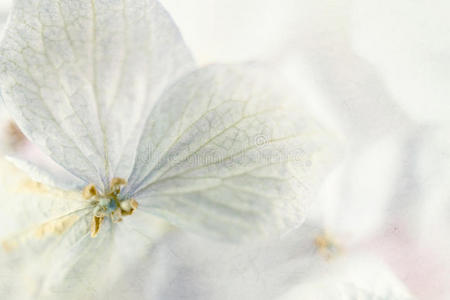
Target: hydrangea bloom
point(108, 89)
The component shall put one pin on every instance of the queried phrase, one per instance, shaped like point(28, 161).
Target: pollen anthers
point(327, 246)
point(108, 204)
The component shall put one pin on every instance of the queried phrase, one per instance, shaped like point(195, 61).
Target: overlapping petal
point(225, 153)
point(80, 77)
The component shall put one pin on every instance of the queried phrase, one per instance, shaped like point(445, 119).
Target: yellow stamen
point(327, 246)
point(128, 207)
point(95, 225)
point(134, 204)
point(104, 203)
point(117, 183)
point(89, 191)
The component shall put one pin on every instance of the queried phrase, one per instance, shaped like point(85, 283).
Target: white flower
point(412, 59)
point(106, 89)
point(359, 277)
point(192, 267)
point(372, 69)
point(306, 263)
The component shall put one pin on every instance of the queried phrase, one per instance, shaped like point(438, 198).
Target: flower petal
point(354, 276)
point(80, 77)
point(225, 154)
point(39, 227)
point(26, 204)
point(413, 59)
point(42, 175)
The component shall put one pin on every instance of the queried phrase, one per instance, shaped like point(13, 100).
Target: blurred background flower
point(376, 72)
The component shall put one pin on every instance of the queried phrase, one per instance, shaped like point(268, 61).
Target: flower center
point(327, 246)
point(108, 204)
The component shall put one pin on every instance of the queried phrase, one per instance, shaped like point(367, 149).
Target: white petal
point(80, 77)
point(36, 253)
point(46, 177)
point(361, 277)
point(224, 154)
point(93, 269)
point(188, 266)
point(43, 262)
point(26, 206)
point(408, 42)
point(46, 251)
point(360, 191)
